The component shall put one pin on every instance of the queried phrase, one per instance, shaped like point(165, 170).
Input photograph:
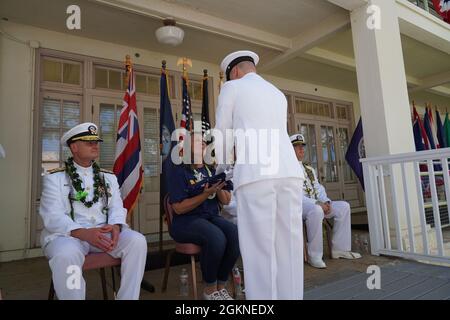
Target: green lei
point(310, 174)
point(100, 188)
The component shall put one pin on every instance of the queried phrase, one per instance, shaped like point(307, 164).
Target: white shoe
point(317, 263)
point(345, 254)
point(213, 296)
point(225, 296)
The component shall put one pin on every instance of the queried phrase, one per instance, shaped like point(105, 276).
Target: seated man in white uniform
point(83, 212)
point(316, 205)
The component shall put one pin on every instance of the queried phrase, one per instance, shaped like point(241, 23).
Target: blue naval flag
point(356, 151)
point(440, 131)
point(166, 128)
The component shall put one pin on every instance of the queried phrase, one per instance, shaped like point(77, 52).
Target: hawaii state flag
point(128, 161)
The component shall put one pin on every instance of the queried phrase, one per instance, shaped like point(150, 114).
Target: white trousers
point(313, 216)
point(65, 252)
point(271, 239)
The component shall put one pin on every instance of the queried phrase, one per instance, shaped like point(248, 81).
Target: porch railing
point(408, 196)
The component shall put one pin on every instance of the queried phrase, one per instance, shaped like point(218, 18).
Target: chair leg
point(329, 232)
point(51, 291)
point(113, 278)
point(103, 278)
point(166, 270)
point(233, 286)
point(194, 277)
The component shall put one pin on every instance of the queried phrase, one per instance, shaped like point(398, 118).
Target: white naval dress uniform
point(268, 210)
point(63, 250)
point(313, 215)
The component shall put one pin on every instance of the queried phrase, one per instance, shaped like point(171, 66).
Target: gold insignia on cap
point(92, 130)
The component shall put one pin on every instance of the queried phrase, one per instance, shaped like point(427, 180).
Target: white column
point(382, 81)
point(384, 101)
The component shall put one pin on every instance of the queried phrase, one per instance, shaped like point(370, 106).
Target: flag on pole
point(442, 7)
point(128, 160)
point(420, 135)
point(356, 152)
point(440, 131)
point(186, 113)
point(166, 128)
point(206, 124)
point(428, 129)
point(433, 126)
point(447, 130)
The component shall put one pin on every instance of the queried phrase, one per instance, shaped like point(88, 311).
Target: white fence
point(408, 196)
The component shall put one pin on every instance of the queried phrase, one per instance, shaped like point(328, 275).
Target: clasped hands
point(98, 237)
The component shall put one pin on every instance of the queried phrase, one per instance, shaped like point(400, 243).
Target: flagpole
point(127, 80)
point(161, 200)
point(130, 92)
point(221, 80)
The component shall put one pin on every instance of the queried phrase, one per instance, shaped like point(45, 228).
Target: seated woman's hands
point(209, 190)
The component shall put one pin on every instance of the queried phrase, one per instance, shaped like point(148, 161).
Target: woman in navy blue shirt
point(197, 221)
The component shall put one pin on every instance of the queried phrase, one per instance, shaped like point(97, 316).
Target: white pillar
point(382, 81)
point(384, 100)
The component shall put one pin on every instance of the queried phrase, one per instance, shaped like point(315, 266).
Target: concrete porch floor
point(30, 279)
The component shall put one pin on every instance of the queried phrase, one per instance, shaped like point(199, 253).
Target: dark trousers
point(218, 239)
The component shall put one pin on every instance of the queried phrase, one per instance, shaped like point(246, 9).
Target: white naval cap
point(298, 139)
point(87, 131)
point(236, 57)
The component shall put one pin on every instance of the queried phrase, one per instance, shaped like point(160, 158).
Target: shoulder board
point(57, 170)
point(308, 165)
point(106, 171)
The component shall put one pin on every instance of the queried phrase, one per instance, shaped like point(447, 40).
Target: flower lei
point(310, 174)
point(100, 187)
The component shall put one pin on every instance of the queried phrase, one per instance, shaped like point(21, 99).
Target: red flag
point(442, 7)
point(422, 129)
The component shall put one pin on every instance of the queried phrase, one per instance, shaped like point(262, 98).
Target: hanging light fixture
point(170, 34)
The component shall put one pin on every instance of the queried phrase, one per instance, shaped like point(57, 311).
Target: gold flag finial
point(127, 69)
point(185, 62)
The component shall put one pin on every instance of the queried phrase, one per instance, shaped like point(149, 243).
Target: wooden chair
point(328, 232)
point(184, 248)
point(93, 261)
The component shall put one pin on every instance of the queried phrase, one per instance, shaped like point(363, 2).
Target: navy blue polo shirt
point(182, 176)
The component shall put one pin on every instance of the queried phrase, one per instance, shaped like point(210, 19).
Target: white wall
point(16, 115)
point(16, 100)
point(15, 137)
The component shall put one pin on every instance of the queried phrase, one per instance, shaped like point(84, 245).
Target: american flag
point(128, 161)
point(186, 113)
point(443, 8)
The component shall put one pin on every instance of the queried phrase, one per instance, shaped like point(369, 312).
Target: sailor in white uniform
point(316, 206)
point(83, 212)
point(266, 179)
